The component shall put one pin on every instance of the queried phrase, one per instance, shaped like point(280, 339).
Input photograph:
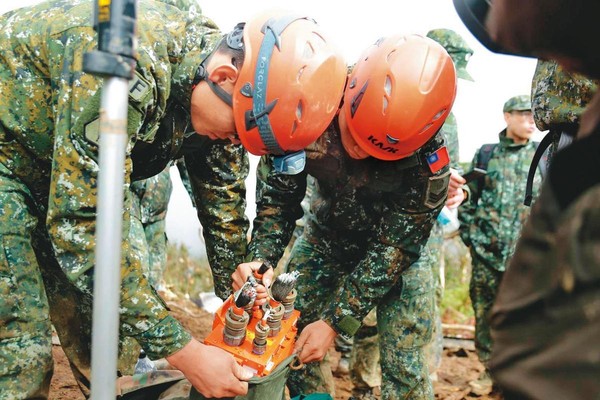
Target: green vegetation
point(188, 275)
point(185, 274)
point(456, 305)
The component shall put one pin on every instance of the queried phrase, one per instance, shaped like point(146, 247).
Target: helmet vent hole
point(299, 111)
point(385, 105)
point(294, 126)
point(426, 127)
point(309, 51)
point(388, 86)
point(390, 55)
point(300, 72)
point(439, 114)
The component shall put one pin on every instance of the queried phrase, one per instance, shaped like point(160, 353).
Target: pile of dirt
point(459, 366)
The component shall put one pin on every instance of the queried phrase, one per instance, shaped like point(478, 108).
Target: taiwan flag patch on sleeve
point(438, 159)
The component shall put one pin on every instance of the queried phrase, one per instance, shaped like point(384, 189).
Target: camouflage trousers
point(365, 367)
point(34, 291)
point(483, 288)
point(25, 328)
point(404, 318)
point(365, 371)
point(433, 255)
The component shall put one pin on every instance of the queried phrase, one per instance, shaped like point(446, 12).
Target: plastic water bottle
point(143, 364)
point(448, 220)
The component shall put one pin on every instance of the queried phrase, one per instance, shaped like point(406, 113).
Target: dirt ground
point(459, 364)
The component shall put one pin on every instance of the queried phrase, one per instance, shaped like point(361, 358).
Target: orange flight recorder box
point(278, 347)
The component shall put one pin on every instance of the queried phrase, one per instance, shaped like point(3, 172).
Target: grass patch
point(186, 274)
point(456, 304)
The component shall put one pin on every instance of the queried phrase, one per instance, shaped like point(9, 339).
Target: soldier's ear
point(224, 73)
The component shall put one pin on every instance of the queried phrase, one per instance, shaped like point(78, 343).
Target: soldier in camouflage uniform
point(461, 53)
point(49, 115)
point(368, 221)
point(558, 98)
point(492, 216)
point(365, 373)
point(221, 194)
point(546, 319)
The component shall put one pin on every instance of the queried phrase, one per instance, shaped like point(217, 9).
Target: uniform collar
point(508, 142)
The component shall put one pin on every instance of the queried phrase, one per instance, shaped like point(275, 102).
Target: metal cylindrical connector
point(275, 317)
point(248, 307)
point(288, 303)
point(234, 332)
point(259, 344)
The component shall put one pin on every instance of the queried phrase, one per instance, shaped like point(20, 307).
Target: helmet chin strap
point(202, 75)
point(235, 41)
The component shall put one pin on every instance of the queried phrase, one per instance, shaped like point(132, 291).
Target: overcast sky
point(353, 25)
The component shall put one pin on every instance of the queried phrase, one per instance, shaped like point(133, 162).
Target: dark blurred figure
point(546, 319)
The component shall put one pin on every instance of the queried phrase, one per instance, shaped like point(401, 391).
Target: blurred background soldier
point(492, 216)
point(460, 52)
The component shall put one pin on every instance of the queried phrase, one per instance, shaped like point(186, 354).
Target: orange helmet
point(290, 85)
point(398, 96)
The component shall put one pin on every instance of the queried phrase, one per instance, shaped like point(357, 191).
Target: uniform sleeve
point(466, 212)
point(71, 216)
point(217, 176)
point(278, 206)
point(404, 228)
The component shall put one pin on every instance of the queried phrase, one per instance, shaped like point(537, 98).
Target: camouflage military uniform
point(364, 374)
point(217, 171)
point(368, 222)
point(558, 98)
point(150, 200)
point(48, 171)
point(553, 276)
point(365, 349)
point(491, 222)
point(546, 319)
point(460, 52)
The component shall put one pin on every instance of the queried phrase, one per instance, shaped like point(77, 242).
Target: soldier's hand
point(456, 195)
point(314, 341)
point(241, 274)
point(212, 371)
